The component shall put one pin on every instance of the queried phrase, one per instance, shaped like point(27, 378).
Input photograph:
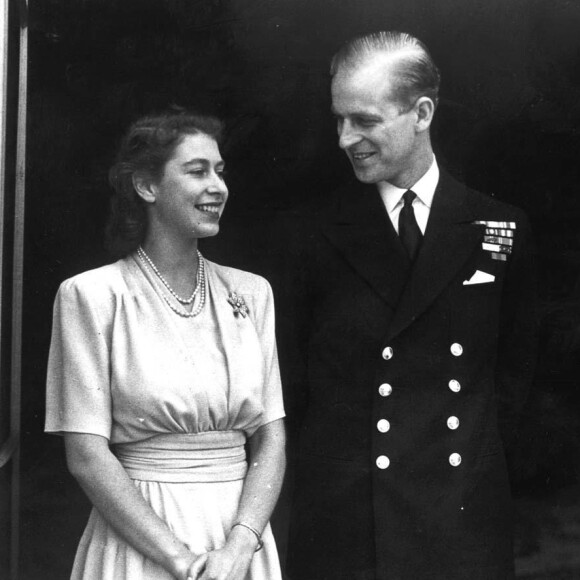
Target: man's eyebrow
point(364, 114)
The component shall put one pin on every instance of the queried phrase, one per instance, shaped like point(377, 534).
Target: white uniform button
point(454, 459)
point(385, 390)
point(454, 386)
point(387, 353)
point(383, 425)
point(456, 349)
point(453, 423)
point(383, 462)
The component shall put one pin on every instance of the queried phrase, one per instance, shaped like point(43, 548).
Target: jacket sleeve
point(518, 336)
point(78, 380)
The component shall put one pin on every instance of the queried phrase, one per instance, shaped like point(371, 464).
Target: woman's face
point(191, 194)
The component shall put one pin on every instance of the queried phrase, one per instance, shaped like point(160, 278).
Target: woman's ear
point(144, 186)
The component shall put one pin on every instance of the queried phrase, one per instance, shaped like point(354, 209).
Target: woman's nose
point(218, 184)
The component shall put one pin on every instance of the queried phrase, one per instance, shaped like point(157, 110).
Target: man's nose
point(346, 135)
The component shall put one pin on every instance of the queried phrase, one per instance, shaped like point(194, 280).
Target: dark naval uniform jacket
point(395, 378)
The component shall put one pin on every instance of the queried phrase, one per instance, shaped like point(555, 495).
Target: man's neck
point(408, 179)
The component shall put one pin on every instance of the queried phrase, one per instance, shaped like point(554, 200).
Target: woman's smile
point(210, 208)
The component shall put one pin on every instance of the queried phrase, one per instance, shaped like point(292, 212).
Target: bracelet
point(254, 531)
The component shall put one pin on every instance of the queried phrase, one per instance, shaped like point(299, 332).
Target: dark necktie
point(409, 231)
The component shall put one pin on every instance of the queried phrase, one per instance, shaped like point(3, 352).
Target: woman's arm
point(112, 492)
point(262, 485)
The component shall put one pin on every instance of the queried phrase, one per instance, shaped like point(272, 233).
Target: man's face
point(379, 140)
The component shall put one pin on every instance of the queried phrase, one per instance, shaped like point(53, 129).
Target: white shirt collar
point(424, 188)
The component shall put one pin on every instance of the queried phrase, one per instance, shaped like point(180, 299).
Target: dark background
point(508, 124)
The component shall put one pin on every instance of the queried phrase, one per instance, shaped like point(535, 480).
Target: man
point(413, 316)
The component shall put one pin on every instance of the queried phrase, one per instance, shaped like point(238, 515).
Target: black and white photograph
point(290, 290)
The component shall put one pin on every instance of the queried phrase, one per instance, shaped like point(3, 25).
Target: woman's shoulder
point(236, 280)
point(97, 282)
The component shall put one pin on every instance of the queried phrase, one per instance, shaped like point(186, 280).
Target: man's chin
point(366, 176)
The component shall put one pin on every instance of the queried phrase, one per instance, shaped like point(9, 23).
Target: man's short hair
point(416, 73)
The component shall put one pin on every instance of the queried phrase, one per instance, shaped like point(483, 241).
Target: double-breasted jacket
point(395, 373)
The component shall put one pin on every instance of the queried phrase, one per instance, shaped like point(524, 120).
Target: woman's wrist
point(179, 561)
point(245, 537)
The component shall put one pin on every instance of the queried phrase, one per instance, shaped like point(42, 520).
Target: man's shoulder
point(485, 204)
point(304, 224)
point(330, 203)
point(305, 218)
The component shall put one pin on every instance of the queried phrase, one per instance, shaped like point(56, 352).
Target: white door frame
point(14, 193)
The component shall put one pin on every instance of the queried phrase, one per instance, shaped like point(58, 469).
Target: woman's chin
point(206, 231)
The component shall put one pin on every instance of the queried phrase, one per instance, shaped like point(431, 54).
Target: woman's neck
point(177, 263)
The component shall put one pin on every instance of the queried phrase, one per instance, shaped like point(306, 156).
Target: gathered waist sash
point(186, 457)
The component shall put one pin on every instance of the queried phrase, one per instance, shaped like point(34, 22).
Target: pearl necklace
point(200, 272)
point(199, 286)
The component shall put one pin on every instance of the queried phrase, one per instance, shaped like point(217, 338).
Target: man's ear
point(144, 186)
point(425, 109)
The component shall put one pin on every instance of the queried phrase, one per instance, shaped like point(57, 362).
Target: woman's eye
point(197, 172)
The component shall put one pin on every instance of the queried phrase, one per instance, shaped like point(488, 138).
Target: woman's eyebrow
point(201, 160)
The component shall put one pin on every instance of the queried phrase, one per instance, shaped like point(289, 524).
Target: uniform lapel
point(449, 240)
point(362, 231)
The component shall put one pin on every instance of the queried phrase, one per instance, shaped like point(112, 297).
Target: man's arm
point(518, 336)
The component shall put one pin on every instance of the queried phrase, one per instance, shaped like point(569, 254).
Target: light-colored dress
point(176, 397)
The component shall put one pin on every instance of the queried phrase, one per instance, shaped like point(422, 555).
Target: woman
point(162, 367)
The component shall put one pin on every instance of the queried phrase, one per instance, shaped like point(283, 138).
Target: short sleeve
point(272, 400)
point(78, 395)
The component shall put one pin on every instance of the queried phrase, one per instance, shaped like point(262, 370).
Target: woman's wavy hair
point(146, 147)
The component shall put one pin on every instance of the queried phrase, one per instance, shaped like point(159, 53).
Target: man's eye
point(197, 172)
